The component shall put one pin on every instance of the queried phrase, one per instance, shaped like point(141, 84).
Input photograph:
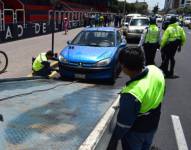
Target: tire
point(116, 72)
point(3, 61)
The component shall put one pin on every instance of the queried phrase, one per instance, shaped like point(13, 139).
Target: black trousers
point(45, 71)
point(169, 52)
point(150, 52)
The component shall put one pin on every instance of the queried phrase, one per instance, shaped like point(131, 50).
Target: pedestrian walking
point(173, 38)
point(101, 20)
point(66, 24)
point(140, 103)
point(150, 40)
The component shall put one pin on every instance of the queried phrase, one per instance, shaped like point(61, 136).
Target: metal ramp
point(50, 115)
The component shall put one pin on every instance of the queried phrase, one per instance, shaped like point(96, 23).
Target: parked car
point(128, 18)
point(159, 18)
point(189, 25)
point(187, 20)
point(93, 54)
point(136, 28)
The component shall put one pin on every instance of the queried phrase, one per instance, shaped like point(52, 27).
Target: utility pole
point(54, 3)
point(124, 8)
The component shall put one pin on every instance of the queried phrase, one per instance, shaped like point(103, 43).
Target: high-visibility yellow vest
point(37, 65)
point(149, 91)
point(152, 35)
point(172, 33)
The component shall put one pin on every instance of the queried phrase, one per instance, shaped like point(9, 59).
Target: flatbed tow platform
point(51, 115)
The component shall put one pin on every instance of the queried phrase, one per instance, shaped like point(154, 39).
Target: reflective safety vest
point(101, 18)
point(37, 65)
point(152, 34)
point(149, 91)
point(172, 33)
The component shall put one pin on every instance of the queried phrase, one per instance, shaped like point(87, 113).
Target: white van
point(128, 18)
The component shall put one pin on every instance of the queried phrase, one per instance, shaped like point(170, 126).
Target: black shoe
point(170, 76)
point(154, 148)
point(1, 118)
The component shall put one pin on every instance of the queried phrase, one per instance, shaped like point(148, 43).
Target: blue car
point(93, 54)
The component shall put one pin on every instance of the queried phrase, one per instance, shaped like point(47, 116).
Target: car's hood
point(87, 54)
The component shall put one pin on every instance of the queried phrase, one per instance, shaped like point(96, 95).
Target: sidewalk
point(20, 52)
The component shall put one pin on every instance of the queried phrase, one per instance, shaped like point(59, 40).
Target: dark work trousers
point(45, 71)
point(137, 140)
point(150, 52)
point(170, 52)
point(163, 55)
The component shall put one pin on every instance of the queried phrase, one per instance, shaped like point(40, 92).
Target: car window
point(139, 22)
point(119, 40)
point(128, 19)
point(95, 38)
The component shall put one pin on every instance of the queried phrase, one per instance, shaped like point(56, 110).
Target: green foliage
point(185, 10)
point(129, 7)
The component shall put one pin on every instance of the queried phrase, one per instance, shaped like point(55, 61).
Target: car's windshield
point(139, 22)
point(95, 38)
point(128, 19)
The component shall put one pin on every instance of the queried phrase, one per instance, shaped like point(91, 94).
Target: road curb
point(20, 79)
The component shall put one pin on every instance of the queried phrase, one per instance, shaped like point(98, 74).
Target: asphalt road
point(176, 105)
point(177, 102)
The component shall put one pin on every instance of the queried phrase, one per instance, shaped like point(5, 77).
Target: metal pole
point(124, 8)
point(53, 26)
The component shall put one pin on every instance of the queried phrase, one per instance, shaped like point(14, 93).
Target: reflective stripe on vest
point(149, 91)
point(152, 35)
point(37, 65)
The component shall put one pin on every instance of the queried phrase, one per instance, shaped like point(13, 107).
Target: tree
point(155, 9)
point(180, 10)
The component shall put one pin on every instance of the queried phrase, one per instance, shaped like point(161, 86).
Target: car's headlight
point(62, 59)
point(104, 62)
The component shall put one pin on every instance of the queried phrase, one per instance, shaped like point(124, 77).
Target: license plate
point(80, 76)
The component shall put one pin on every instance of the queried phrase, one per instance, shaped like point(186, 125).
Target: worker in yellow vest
point(41, 65)
point(140, 103)
point(173, 38)
point(150, 40)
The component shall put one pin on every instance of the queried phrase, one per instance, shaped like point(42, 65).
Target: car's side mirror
point(126, 24)
point(69, 42)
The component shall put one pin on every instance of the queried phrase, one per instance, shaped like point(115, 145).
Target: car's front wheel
point(116, 72)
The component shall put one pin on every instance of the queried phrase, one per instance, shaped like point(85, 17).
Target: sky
point(151, 3)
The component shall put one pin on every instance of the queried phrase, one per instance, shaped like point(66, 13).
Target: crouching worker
point(41, 66)
point(140, 103)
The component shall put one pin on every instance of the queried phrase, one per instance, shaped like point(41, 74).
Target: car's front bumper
point(85, 72)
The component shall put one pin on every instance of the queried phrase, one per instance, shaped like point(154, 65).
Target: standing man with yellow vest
point(173, 38)
point(140, 103)
point(41, 66)
point(150, 41)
